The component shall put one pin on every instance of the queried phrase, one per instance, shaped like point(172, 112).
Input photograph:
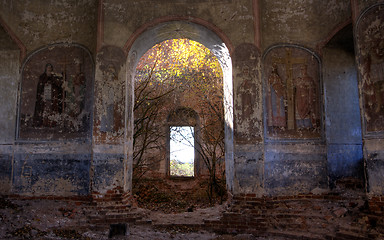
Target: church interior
point(300, 153)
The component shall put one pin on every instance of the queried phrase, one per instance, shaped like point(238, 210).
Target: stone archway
point(196, 32)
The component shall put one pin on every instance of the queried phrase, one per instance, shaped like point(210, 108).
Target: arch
point(283, 126)
point(365, 12)
point(14, 38)
point(163, 29)
point(369, 45)
point(199, 21)
point(342, 112)
point(67, 60)
point(332, 34)
point(183, 115)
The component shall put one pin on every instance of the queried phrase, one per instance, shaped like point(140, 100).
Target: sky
point(182, 143)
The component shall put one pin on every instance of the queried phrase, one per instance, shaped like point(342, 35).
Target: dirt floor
point(53, 219)
point(156, 200)
point(163, 213)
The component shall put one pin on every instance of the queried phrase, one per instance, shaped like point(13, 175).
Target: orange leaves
point(178, 58)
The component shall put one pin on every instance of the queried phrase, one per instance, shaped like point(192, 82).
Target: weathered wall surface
point(123, 18)
point(109, 158)
point(41, 22)
point(364, 4)
point(108, 167)
point(265, 160)
point(295, 168)
point(9, 64)
point(9, 73)
point(9, 79)
point(6, 154)
point(51, 169)
point(36, 25)
point(342, 120)
point(301, 22)
point(294, 153)
point(248, 126)
point(370, 58)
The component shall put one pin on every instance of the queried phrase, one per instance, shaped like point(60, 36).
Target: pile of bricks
point(309, 216)
point(115, 206)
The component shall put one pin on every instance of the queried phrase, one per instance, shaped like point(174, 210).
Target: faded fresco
point(370, 41)
point(247, 92)
point(110, 106)
point(292, 94)
point(56, 93)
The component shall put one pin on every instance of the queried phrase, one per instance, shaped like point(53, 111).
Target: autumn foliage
point(179, 73)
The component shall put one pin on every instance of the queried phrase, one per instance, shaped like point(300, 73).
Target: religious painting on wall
point(248, 120)
point(292, 94)
point(110, 94)
point(370, 52)
point(56, 94)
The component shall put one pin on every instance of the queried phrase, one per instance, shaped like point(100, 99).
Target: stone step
point(113, 219)
point(143, 222)
point(295, 235)
point(346, 235)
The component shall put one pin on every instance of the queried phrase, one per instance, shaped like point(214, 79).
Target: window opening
point(182, 151)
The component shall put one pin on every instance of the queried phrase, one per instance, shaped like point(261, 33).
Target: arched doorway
point(342, 125)
point(196, 32)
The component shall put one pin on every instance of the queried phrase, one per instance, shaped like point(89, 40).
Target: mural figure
point(373, 89)
point(370, 39)
point(276, 99)
point(74, 97)
point(109, 96)
point(56, 104)
point(49, 98)
point(305, 100)
point(248, 91)
point(292, 96)
point(247, 124)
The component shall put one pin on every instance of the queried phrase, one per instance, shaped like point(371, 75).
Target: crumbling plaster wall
point(37, 167)
point(342, 118)
point(299, 22)
point(364, 4)
point(123, 19)
point(369, 42)
point(294, 165)
point(306, 23)
point(40, 23)
point(9, 72)
point(9, 64)
point(109, 147)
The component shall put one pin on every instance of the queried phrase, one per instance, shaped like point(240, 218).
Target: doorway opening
point(179, 133)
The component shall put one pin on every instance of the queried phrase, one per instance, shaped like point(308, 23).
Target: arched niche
point(294, 149)
point(56, 94)
point(196, 32)
point(369, 45)
point(370, 59)
point(292, 94)
point(342, 113)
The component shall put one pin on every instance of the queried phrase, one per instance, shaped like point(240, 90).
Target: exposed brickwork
point(375, 216)
point(115, 206)
point(328, 216)
point(78, 200)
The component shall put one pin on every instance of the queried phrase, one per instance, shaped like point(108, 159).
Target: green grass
point(181, 169)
